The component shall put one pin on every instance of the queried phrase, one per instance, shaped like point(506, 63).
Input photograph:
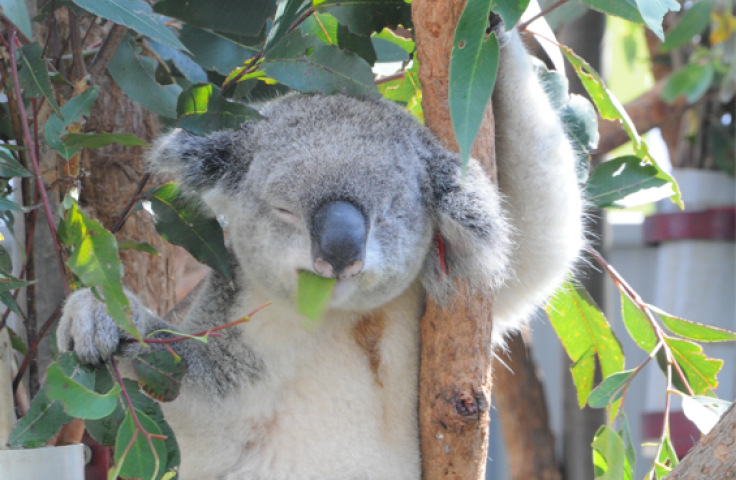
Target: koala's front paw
point(89, 331)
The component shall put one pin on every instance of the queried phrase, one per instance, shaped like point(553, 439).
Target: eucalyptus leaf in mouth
point(313, 293)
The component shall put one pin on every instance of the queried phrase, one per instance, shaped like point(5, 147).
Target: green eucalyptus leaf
point(310, 66)
point(134, 74)
point(133, 452)
point(6, 262)
point(183, 62)
point(700, 370)
point(17, 12)
point(287, 13)
point(202, 110)
point(690, 82)
point(7, 299)
point(73, 110)
point(233, 16)
point(103, 139)
point(9, 282)
point(160, 374)
point(313, 295)
point(692, 23)
point(16, 341)
point(610, 446)
point(666, 458)
point(133, 14)
point(363, 17)
point(653, 12)
point(610, 389)
point(626, 9)
point(626, 182)
point(39, 425)
point(510, 11)
point(611, 109)
point(189, 224)
point(637, 324)
point(326, 28)
point(213, 51)
point(144, 247)
point(9, 166)
point(694, 330)
point(33, 75)
point(7, 204)
point(473, 68)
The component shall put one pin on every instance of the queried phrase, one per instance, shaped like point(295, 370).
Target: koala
point(352, 188)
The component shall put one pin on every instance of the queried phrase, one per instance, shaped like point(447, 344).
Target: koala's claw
point(88, 330)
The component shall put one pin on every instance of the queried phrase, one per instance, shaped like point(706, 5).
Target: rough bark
point(522, 408)
point(455, 373)
point(712, 457)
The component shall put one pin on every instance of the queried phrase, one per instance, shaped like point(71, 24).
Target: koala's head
point(346, 188)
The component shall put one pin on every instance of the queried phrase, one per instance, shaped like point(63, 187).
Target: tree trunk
point(712, 457)
point(455, 372)
point(522, 408)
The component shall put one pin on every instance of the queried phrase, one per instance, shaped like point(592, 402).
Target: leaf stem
point(557, 4)
point(32, 349)
point(120, 221)
point(107, 50)
point(130, 405)
point(34, 160)
point(389, 78)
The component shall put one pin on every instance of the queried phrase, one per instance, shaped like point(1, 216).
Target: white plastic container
point(57, 463)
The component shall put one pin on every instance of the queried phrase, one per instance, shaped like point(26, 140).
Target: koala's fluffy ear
point(210, 167)
point(472, 234)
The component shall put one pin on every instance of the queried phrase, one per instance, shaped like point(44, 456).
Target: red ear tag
point(440, 242)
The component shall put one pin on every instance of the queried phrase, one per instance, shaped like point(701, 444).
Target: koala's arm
point(214, 367)
point(537, 176)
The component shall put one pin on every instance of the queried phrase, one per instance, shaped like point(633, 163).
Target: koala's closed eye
point(286, 214)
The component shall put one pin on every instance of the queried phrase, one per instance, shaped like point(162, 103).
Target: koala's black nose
point(339, 234)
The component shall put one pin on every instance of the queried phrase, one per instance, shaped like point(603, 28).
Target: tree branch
point(107, 50)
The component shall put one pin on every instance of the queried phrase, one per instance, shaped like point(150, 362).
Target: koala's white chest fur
point(339, 402)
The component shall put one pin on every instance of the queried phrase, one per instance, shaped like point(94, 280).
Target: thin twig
point(34, 160)
point(131, 407)
point(389, 78)
point(120, 221)
point(89, 29)
point(558, 3)
point(107, 50)
point(34, 346)
point(49, 31)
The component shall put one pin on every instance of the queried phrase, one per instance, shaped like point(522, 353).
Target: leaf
point(189, 224)
point(700, 370)
point(694, 330)
point(364, 17)
point(133, 14)
point(626, 182)
point(510, 11)
point(103, 139)
point(135, 76)
point(287, 12)
point(160, 374)
point(17, 12)
point(630, 452)
point(610, 389)
point(73, 110)
point(9, 166)
point(202, 110)
point(555, 84)
point(653, 12)
point(666, 457)
point(313, 293)
point(583, 374)
point(68, 385)
point(138, 246)
point(310, 66)
point(691, 82)
point(637, 324)
point(611, 448)
point(6, 262)
point(704, 412)
point(611, 109)
point(33, 77)
point(39, 425)
point(403, 89)
point(17, 342)
point(133, 451)
point(692, 23)
point(215, 52)
point(94, 259)
point(8, 282)
point(234, 16)
point(182, 62)
point(7, 204)
point(581, 326)
point(581, 123)
point(326, 28)
point(625, 9)
point(473, 68)
point(392, 48)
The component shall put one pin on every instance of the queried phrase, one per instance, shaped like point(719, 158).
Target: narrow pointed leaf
point(133, 14)
point(73, 110)
point(610, 389)
point(202, 110)
point(189, 224)
point(637, 324)
point(473, 68)
point(611, 448)
point(694, 330)
point(103, 139)
point(692, 23)
point(234, 16)
point(33, 77)
point(213, 51)
point(287, 12)
point(363, 17)
point(510, 11)
point(625, 9)
point(691, 82)
point(626, 182)
point(9, 166)
point(144, 247)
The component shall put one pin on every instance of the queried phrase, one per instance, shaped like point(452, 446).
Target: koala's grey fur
point(272, 400)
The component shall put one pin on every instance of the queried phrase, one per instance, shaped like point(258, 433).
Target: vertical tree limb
point(455, 372)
